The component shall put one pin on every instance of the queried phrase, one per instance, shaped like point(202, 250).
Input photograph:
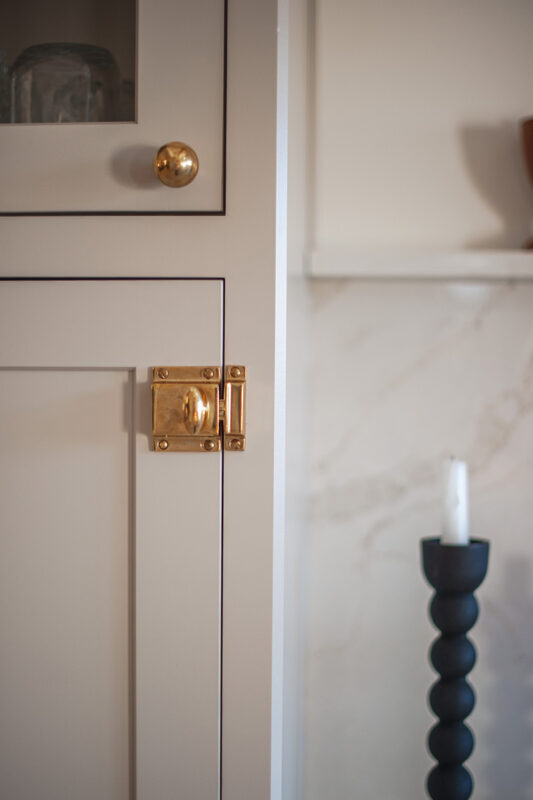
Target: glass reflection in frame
point(83, 71)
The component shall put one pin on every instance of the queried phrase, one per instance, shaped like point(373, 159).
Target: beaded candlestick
point(455, 572)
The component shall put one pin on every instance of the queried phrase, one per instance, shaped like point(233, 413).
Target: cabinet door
point(110, 553)
point(142, 74)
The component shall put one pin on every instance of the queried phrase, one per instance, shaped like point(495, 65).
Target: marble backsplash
point(405, 373)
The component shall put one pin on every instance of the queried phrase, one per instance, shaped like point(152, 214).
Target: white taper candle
point(455, 505)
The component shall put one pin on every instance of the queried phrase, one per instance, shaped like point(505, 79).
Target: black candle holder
point(455, 572)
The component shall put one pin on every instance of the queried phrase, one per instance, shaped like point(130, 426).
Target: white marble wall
point(405, 373)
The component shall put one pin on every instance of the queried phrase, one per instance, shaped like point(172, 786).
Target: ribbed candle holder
point(455, 572)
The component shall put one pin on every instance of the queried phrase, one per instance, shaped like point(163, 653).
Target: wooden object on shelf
point(527, 148)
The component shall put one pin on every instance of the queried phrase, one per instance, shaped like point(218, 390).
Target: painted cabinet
point(138, 602)
point(110, 552)
point(85, 115)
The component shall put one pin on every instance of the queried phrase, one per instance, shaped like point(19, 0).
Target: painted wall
point(417, 106)
point(415, 146)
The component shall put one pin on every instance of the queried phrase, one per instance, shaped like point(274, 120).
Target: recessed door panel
point(65, 550)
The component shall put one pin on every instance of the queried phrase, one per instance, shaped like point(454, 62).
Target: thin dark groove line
point(222, 466)
point(67, 369)
point(210, 213)
point(219, 213)
point(109, 278)
point(225, 110)
point(132, 584)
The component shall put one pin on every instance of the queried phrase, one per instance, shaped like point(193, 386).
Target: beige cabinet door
point(173, 749)
point(170, 55)
point(110, 553)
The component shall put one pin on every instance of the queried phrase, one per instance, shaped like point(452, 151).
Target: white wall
point(417, 105)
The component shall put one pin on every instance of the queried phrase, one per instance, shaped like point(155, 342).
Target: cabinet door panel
point(64, 564)
point(107, 166)
point(110, 553)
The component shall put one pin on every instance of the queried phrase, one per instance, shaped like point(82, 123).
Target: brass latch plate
point(192, 412)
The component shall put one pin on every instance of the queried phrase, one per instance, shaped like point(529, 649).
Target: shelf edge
point(419, 264)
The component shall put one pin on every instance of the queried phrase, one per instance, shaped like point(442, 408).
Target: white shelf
point(420, 264)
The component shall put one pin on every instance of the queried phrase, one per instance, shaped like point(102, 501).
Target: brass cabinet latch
point(192, 412)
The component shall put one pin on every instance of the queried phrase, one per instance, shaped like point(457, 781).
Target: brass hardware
point(234, 400)
point(189, 444)
point(195, 410)
point(176, 164)
point(189, 414)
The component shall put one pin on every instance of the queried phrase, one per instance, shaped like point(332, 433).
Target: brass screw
point(235, 372)
point(209, 373)
point(163, 373)
point(209, 444)
point(163, 444)
point(235, 444)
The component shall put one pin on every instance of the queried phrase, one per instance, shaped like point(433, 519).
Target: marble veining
point(415, 371)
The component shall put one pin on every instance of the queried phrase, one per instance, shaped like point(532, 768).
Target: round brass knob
point(176, 164)
point(195, 410)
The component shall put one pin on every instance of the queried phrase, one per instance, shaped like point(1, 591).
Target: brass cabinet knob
point(176, 164)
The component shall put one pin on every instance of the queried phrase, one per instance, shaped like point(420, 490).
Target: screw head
point(163, 444)
point(235, 372)
point(209, 444)
point(235, 444)
point(209, 373)
point(163, 373)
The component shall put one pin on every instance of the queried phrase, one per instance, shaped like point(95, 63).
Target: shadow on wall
point(508, 741)
point(494, 162)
